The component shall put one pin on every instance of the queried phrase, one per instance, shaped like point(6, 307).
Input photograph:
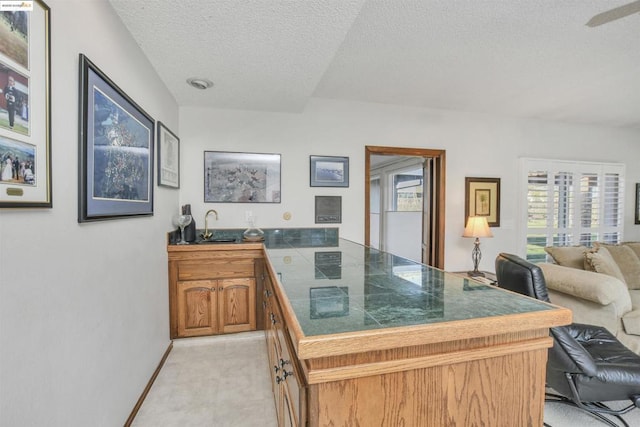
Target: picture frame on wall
point(168, 157)
point(116, 150)
point(329, 171)
point(482, 198)
point(25, 106)
point(328, 209)
point(241, 177)
point(637, 213)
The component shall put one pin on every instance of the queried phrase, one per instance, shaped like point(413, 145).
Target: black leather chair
point(587, 365)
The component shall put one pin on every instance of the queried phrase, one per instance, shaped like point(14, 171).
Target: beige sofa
point(601, 285)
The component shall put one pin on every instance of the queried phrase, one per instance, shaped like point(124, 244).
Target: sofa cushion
point(634, 294)
point(598, 288)
point(568, 256)
point(635, 246)
point(600, 260)
point(627, 261)
point(631, 322)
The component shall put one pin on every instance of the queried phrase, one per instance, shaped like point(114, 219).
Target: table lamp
point(477, 226)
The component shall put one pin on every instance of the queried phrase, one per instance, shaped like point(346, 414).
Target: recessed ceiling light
point(199, 83)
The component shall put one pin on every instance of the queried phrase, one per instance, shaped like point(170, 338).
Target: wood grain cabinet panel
point(237, 305)
point(197, 308)
point(212, 290)
point(288, 384)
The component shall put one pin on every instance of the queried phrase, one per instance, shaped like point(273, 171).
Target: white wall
point(83, 308)
point(477, 145)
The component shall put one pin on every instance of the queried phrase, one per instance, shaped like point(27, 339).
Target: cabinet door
point(197, 308)
point(237, 305)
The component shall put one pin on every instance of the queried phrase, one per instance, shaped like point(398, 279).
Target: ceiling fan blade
point(613, 14)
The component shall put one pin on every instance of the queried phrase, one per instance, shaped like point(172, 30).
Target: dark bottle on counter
point(189, 230)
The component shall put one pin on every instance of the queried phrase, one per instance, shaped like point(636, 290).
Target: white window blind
point(570, 203)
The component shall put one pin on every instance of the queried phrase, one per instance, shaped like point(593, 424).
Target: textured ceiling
point(523, 58)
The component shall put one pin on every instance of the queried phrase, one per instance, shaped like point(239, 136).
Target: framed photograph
point(116, 150)
point(328, 209)
point(25, 106)
point(329, 301)
point(637, 203)
point(329, 171)
point(241, 177)
point(168, 157)
point(482, 198)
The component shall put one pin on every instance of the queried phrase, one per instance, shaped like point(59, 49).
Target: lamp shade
point(477, 226)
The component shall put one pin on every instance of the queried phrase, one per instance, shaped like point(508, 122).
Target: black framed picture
point(241, 177)
point(25, 106)
point(328, 209)
point(482, 198)
point(637, 215)
point(329, 171)
point(168, 157)
point(116, 150)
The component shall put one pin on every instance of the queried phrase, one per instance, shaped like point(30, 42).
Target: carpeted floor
point(223, 381)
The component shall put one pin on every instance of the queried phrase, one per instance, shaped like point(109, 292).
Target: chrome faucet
point(207, 234)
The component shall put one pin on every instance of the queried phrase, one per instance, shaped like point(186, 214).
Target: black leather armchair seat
point(587, 365)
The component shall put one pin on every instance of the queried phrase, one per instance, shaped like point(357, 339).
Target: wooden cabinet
point(208, 307)
point(288, 383)
point(212, 290)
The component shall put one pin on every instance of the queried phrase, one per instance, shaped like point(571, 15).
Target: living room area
point(496, 86)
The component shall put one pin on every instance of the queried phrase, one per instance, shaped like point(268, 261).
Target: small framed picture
point(329, 171)
point(637, 203)
point(328, 209)
point(168, 157)
point(482, 198)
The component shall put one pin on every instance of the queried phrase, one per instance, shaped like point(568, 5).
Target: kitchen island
point(357, 336)
point(385, 341)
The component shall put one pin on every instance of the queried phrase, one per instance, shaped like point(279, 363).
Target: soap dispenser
point(190, 230)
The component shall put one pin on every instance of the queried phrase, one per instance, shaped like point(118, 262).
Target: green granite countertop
point(347, 287)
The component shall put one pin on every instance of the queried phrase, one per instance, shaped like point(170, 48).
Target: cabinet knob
point(213, 289)
point(286, 374)
point(273, 318)
point(284, 362)
point(276, 368)
point(220, 288)
point(278, 379)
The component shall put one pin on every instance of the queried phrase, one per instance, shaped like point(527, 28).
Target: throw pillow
point(600, 260)
point(627, 261)
point(568, 256)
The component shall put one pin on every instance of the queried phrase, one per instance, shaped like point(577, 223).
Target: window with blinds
point(571, 203)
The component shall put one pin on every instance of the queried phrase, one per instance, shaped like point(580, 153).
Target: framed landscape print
point(25, 105)
point(168, 157)
point(241, 177)
point(329, 171)
point(116, 150)
point(482, 198)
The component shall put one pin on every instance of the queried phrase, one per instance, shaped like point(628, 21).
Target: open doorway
point(404, 202)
